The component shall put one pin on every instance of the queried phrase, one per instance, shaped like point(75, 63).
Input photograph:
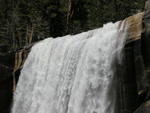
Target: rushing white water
point(71, 74)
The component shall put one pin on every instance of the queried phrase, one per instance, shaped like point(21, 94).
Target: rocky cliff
point(143, 79)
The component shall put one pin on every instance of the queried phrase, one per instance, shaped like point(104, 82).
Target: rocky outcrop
point(135, 77)
point(131, 67)
point(146, 39)
point(144, 78)
point(134, 27)
point(144, 108)
point(10, 65)
point(146, 45)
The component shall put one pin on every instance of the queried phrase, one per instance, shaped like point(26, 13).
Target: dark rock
point(146, 46)
point(5, 72)
point(132, 70)
point(146, 39)
point(10, 62)
point(144, 108)
point(148, 95)
point(128, 97)
point(4, 48)
point(7, 59)
point(6, 95)
point(143, 79)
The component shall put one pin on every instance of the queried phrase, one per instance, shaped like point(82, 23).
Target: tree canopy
point(26, 21)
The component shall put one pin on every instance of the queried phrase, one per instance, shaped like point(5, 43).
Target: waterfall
point(72, 74)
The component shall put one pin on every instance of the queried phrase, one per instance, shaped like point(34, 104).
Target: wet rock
point(5, 95)
point(7, 59)
point(132, 68)
point(4, 48)
point(5, 72)
point(144, 108)
point(146, 46)
point(134, 27)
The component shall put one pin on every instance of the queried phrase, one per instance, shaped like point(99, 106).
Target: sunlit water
point(72, 74)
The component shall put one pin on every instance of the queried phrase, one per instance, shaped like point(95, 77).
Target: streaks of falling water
point(71, 74)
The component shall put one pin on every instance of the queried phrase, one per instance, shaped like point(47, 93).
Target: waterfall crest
point(72, 74)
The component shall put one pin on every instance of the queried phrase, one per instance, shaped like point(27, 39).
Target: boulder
point(134, 27)
point(144, 108)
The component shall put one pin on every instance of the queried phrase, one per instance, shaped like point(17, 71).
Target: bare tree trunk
point(116, 8)
point(26, 38)
point(71, 9)
point(31, 35)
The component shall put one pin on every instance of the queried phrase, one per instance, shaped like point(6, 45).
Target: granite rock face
point(144, 108)
point(146, 45)
point(132, 66)
point(143, 79)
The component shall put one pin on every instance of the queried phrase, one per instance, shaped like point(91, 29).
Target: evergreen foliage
point(26, 21)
